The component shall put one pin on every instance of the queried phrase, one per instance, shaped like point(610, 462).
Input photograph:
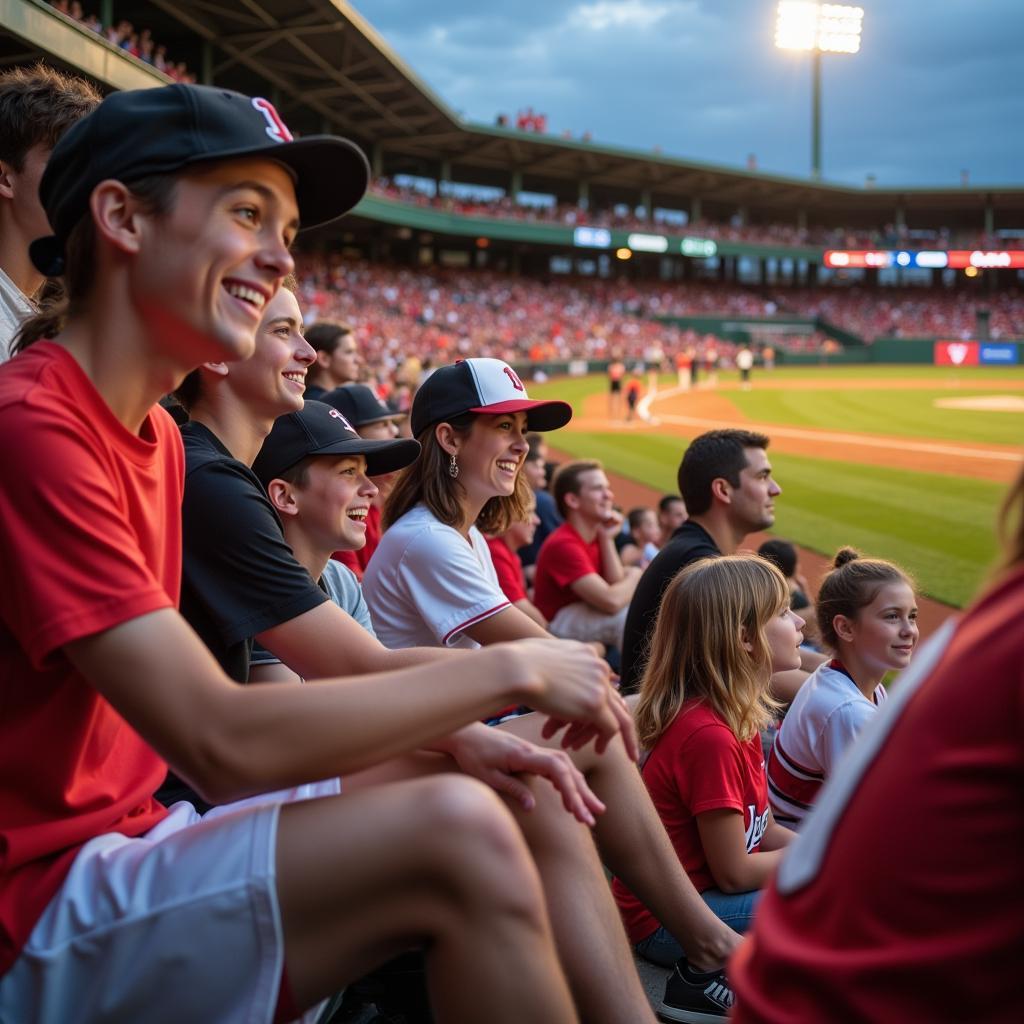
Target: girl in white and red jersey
point(724, 627)
point(867, 617)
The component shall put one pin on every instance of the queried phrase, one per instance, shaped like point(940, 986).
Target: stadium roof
point(327, 68)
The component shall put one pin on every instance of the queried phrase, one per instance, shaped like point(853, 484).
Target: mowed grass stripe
point(940, 527)
point(892, 413)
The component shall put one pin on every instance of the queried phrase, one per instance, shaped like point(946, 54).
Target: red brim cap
point(540, 416)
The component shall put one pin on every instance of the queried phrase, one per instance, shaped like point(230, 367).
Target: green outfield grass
point(940, 527)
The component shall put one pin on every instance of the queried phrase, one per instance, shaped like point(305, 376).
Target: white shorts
point(181, 924)
point(579, 621)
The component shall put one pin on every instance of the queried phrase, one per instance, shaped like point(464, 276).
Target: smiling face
point(490, 457)
point(594, 501)
point(333, 502)
point(752, 503)
point(784, 634)
point(204, 272)
point(883, 633)
point(520, 534)
point(271, 382)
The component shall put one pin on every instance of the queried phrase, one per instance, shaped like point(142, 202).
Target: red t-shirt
point(90, 537)
point(509, 569)
point(698, 765)
point(902, 898)
point(357, 561)
point(564, 557)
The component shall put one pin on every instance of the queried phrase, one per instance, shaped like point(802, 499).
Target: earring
point(453, 467)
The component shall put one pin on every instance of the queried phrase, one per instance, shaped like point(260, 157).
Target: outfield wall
point(885, 351)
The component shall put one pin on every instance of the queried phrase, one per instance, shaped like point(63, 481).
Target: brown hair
point(187, 392)
point(156, 194)
point(852, 584)
point(427, 480)
point(567, 481)
point(716, 454)
point(707, 612)
point(37, 106)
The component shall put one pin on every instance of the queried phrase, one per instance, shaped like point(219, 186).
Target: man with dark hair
point(337, 358)
point(581, 586)
point(671, 515)
point(37, 106)
point(726, 481)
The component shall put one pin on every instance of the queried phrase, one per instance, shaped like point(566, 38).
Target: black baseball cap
point(359, 405)
point(320, 429)
point(139, 132)
point(482, 385)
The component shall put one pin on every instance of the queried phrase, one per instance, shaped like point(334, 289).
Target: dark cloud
point(936, 88)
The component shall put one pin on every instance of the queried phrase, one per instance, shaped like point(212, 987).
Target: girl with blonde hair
point(724, 627)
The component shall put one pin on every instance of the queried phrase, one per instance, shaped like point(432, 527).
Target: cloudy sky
point(938, 86)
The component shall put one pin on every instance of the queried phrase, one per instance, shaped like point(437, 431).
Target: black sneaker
point(698, 997)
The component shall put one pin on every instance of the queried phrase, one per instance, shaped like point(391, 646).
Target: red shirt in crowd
point(698, 765)
point(902, 898)
point(564, 557)
point(90, 537)
point(509, 569)
point(357, 561)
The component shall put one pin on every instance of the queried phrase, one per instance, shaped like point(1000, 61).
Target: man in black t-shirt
point(726, 481)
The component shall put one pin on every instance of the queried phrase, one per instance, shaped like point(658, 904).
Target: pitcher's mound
point(983, 403)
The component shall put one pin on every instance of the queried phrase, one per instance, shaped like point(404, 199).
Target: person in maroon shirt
point(902, 898)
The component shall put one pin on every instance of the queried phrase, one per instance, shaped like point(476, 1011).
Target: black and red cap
point(359, 405)
point(482, 386)
point(141, 132)
point(320, 429)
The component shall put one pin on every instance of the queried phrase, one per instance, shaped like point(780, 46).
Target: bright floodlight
point(828, 28)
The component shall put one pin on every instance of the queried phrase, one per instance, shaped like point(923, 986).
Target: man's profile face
point(752, 506)
point(23, 192)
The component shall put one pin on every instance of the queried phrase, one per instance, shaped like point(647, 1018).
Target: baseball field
point(903, 462)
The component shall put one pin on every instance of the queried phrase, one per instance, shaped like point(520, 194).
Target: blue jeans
point(736, 909)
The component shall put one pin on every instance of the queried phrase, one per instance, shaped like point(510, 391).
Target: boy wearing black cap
point(316, 471)
point(173, 210)
point(374, 421)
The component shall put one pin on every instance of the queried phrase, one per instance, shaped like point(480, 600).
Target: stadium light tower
point(820, 28)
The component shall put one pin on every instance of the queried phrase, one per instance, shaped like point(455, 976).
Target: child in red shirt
point(725, 626)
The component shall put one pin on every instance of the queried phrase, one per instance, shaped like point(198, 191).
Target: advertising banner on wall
point(999, 353)
point(957, 353)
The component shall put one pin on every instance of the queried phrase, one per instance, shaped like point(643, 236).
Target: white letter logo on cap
point(276, 128)
point(337, 415)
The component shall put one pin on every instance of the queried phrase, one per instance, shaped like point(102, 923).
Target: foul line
point(861, 440)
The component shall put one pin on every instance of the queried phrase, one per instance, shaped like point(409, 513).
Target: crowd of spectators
point(736, 229)
point(908, 312)
point(122, 34)
point(438, 314)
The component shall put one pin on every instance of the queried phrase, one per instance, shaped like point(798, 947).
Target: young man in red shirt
point(581, 586)
point(173, 211)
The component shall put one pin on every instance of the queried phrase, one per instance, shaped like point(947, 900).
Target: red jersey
point(509, 569)
point(698, 765)
point(90, 537)
point(357, 561)
point(901, 899)
point(564, 557)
